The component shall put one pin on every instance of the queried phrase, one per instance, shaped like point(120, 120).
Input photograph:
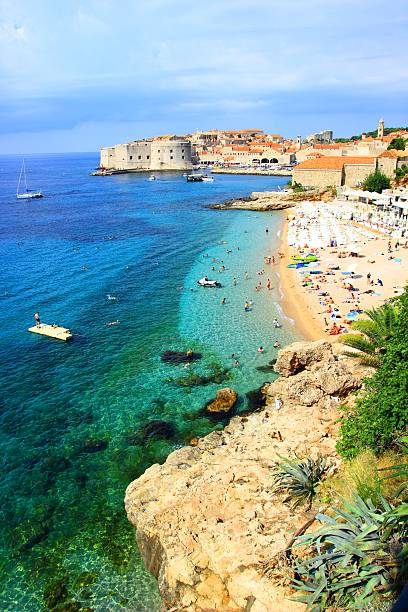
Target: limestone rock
point(206, 519)
point(301, 356)
point(224, 402)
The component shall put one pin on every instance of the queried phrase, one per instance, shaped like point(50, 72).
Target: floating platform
point(53, 331)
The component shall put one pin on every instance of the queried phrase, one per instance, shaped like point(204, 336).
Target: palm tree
point(373, 334)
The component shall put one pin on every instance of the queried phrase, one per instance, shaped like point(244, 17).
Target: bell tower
point(380, 130)
point(298, 142)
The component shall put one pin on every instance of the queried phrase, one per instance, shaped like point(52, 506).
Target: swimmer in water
point(261, 349)
point(276, 344)
point(113, 323)
point(223, 300)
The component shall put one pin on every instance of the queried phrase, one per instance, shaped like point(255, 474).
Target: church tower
point(298, 142)
point(380, 131)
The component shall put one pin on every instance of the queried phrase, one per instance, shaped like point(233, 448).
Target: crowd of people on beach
point(317, 229)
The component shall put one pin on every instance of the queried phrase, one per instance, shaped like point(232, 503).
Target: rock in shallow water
point(223, 403)
point(177, 357)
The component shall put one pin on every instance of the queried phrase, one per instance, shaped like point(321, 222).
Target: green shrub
point(377, 181)
point(381, 413)
point(398, 144)
point(299, 478)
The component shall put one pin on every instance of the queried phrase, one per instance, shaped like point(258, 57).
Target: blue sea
point(76, 417)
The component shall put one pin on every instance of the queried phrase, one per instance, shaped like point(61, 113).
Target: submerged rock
point(158, 429)
point(223, 403)
point(154, 429)
point(180, 357)
point(93, 445)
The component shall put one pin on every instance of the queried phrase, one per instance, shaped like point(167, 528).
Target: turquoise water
point(93, 251)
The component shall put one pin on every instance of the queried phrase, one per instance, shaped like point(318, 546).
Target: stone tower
point(298, 142)
point(380, 130)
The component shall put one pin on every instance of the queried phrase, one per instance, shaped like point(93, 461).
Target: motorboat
point(206, 282)
point(208, 179)
point(195, 178)
point(152, 177)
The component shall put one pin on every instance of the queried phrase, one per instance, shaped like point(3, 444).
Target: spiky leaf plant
point(373, 335)
point(357, 553)
point(299, 478)
point(399, 471)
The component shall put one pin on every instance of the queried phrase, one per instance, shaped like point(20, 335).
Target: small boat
point(195, 178)
point(152, 177)
point(28, 194)
point(276, 323)
point(205, 282)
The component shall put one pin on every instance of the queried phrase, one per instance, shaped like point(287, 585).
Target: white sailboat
point(28, 194)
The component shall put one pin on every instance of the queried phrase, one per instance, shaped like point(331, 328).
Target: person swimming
point(276, 323)
point(261, 349)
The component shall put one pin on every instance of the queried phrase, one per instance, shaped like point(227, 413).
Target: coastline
point(376, 269)
point(293, 300)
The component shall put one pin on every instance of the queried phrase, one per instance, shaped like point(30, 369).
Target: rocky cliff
point(266, 200)
point(206, 519)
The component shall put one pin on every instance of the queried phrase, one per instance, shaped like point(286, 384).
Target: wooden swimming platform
point(53, 331)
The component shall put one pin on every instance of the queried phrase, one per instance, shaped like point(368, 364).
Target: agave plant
point(357, 553)
point(399, 471)
point(373, 335)
point(299, 478)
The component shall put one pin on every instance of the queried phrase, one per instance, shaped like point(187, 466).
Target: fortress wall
point(171, 155)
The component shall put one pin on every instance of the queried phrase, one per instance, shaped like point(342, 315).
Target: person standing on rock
point(37, 319)
point(278, 403)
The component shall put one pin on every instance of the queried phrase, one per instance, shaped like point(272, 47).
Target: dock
point(53, 331)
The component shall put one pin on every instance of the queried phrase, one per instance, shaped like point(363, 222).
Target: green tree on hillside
point(374, 334)
point(398, 144)
point(377, 181)
point(381, 413)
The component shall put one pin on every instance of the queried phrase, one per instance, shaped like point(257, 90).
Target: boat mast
point(22, 171)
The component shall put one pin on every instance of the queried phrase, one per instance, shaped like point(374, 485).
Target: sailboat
point(28, 194)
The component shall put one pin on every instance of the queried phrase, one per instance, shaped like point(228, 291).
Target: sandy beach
point(360, 270)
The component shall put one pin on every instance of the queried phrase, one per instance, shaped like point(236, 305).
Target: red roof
point(329, 162)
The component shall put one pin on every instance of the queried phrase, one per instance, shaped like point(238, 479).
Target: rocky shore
point(266, 200)
point(207, 519)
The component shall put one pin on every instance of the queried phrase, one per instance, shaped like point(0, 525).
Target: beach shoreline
point(377, 272)
point(293, 300)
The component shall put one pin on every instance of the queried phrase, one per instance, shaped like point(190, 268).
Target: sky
point(78, 75)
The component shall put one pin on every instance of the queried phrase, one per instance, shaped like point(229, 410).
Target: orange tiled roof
point(334, 145)
point(333, 163)
point(240, 148)
point(394, 154)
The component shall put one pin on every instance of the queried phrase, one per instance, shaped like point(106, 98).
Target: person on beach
point(278, 403)
point(37, 319)
point(268, 284)
point(273, 259)
point(379, 282)
point(368, 278)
